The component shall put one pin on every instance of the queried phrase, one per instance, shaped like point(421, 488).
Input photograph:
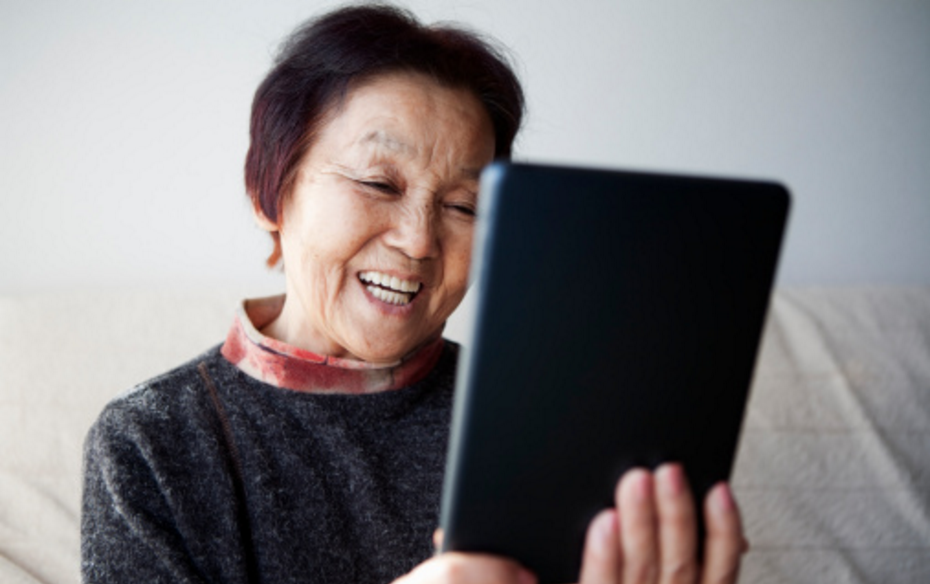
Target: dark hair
point(317, 63)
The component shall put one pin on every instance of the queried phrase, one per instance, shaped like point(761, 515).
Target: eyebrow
point(383, 138)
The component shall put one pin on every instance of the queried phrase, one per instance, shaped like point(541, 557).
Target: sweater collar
point(289, 367)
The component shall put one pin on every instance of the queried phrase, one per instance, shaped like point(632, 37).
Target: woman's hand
point(651, 534)
point(650, 537)
point(459, 568)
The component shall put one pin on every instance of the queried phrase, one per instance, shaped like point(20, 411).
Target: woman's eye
point(380, 186)
point(467, 210)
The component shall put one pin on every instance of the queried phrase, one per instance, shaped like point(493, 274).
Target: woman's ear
point(272, 228)
point(262, 220)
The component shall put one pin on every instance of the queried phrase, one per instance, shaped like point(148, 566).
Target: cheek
point(335, 232)
point(463, 265)
point(458, 264)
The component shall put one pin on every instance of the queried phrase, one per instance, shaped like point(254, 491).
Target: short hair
point(317, 63)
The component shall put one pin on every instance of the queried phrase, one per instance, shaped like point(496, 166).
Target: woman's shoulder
point(165, 403)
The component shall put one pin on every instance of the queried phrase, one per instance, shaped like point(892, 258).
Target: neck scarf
point(289, 367)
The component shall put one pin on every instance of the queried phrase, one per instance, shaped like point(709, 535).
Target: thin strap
point(245, 531)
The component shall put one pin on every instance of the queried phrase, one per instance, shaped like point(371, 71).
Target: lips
point(390, 289)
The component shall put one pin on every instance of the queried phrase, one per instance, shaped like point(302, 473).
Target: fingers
point(658, 526)
point(601, 562)
point(677, 526)
point(459, 568)
point(437, 539)
point(638, 530)
point(651, 535)
point(725, 542)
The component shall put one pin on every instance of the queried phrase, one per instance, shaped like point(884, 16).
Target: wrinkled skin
point(389, 185)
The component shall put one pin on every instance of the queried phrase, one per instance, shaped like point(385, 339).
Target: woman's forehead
point(408, 118)
point(397, 100)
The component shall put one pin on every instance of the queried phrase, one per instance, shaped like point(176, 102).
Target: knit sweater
point(209, 474)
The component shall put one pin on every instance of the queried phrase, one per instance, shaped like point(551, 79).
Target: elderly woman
point(310, 446)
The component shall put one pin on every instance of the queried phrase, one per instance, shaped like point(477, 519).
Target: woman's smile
point(390, 289)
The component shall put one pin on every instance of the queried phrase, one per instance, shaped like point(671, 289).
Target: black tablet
point(617, 324)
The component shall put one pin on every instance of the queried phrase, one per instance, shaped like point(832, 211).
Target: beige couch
point(833, 471)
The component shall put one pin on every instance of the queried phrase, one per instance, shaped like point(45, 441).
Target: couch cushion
point(62, 357)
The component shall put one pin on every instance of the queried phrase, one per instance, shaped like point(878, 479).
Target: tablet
point(617, 323)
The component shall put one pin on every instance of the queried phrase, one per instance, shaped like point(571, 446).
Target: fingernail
point(722, 499)
point(671, 478)
point(605, 526)
point(641, 487)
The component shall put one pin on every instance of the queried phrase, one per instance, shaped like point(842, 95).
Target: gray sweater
point(208, 475)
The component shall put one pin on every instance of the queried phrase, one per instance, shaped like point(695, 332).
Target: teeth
point(389, 297)
point(392, 282)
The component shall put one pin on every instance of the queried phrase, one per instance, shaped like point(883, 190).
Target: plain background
point(124, 125)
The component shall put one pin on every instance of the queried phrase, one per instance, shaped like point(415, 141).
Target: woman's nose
point(415, 233)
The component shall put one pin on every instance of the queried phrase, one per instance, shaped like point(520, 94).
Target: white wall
point(123, 125)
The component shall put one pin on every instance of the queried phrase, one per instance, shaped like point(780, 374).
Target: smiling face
point(376, 234)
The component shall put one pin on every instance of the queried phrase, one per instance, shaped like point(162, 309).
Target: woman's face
point(376, 234)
